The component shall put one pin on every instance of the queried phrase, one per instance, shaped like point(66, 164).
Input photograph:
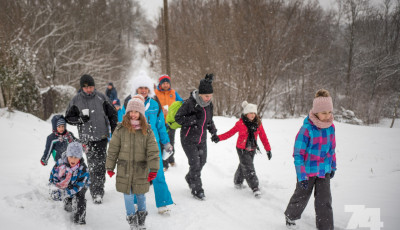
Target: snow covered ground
point(368, 174)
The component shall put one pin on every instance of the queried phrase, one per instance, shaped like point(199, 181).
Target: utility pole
point(166, 31)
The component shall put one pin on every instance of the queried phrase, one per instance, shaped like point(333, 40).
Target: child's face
point(73, 161)
point(134, 115)
point(251, 116)
point(60, 128)
point(324, 115)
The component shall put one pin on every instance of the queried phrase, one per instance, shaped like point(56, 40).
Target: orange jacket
point(166, 98)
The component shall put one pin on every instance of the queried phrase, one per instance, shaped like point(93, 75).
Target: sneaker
point(290, 224)
point(164, 210)
point(97, 199)
point(257, 192)
point(240, 186)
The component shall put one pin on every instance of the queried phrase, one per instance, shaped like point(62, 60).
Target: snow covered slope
point(368, 174)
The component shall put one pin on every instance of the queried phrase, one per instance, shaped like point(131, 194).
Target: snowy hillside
point(368, 174)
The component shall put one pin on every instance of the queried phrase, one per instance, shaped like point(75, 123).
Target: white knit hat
point(143, 80)
point(249, 108)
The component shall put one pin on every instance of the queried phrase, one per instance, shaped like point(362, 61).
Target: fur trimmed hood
point(143, 80)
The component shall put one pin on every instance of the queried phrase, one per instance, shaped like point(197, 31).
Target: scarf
point(64, 136)
point(252, 127)
point(66, 172)
point(135, 124)
point(320, 124)
point(198, 99)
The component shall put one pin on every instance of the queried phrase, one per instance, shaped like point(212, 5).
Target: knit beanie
point(86, 80)
point(205, 86)
point(249, 108)
point(321, 104)
point(136, 104)
point(164, 78)
point(61, 121)
point(74, 149)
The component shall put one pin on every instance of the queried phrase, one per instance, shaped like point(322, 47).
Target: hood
point(143, 80)
point(54, 121)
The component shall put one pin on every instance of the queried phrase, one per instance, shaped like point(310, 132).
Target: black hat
point(87, 80)
point(205, 86)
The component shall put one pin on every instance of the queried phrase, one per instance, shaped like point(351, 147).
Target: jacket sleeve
point(178, 97)
point(153, 158)
point(162, 130)
point(72, 115)
point(264, 139)
point(113, 150)
point(47, 150)
point(184, 116)
point(81, 182)
point(299, 153)
point(230, 133)
point(53, 175)
point(332, 151)
point(111, 114)
point(211, 126)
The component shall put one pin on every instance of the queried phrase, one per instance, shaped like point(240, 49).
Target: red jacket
point(243, 134)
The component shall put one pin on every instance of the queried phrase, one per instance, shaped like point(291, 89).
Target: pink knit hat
point(321, 104)
point(136, 104)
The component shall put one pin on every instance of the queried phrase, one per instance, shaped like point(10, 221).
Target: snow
point(368, 174)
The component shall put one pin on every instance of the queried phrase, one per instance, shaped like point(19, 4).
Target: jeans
point(130, 203)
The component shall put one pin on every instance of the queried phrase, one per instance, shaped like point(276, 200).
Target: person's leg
point(161, 191)
point(96, 157)
point(246, 159)
point(197, 156)
point(80, 214)
point(323, 203)
point(129, 204)
point(141, 202)
point(171, 135)
point(299, 200)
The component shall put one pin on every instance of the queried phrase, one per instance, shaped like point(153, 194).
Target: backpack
point(172, 110)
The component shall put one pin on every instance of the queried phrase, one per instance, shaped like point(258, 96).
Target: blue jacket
point(56, 143)
point(155, 118)
point(80, 177)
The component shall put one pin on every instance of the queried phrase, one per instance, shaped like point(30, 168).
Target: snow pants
point(161, 191)
point(96, 158)
point(246, 169)
point(322, 203)
point(197, 158)
point(80, 211)
point(171, 159)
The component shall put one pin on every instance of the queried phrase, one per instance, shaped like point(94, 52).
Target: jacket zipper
point(187, 132)
point(202, 127)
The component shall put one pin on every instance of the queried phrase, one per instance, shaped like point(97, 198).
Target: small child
point(69, 180)
point(133, 148)
point(120, 110)
point(58, 140)
point(249, 127)
point(315, 163)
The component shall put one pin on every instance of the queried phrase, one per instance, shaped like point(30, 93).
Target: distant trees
point(64, 39)
point(277, 53)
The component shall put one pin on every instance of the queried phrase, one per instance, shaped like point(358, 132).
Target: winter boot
point(97, 199)
point(132, 221)
point(240, 186)
point(198, 194)
point(164, 210)
point(290, 224)
point(257, 192)
point(80, 214)
point(141, 219)
point(68, 204)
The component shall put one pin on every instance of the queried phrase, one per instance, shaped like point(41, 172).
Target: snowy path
point(368, 174)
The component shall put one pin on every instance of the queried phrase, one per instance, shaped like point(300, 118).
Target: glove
point(85, 118)
point(215, 138)
point(110, 173)
point(304, 184)
point(152, 176)
point(114, 102)
point(332, 174)
point(43, 163)
point(269, 154)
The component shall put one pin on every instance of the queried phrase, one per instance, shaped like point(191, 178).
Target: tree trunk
point(395, 113)
point(2, 103)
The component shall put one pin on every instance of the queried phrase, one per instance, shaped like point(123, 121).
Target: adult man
point(93, 113)
point(166, 95)
point(144, 86)
point(111, 92)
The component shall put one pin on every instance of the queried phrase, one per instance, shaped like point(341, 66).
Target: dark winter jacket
point(112, 93)
point(56, 143)
point(101, 112)
point(195, 121)
point(79, 179)
point(243, 135)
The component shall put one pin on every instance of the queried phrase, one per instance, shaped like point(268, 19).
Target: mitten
point(215, 138)
point(43, 163)
point(110, 173)
point(304, 184)
point(332, 174)
point(114, 102)
point(152, 176)
point(269, 154)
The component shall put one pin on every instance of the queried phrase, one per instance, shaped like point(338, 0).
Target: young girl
point(249, 127)
point(133, 148)
point(315, 163)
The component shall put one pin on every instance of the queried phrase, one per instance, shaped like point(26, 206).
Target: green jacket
point(135, 155)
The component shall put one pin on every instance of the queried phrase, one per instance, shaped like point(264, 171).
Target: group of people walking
point(142, 131)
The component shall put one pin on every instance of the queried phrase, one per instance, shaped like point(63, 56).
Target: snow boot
point(164, 210)
point(80, 214)
point(198, 194)
point(132, 221)
point(68, 204)
point(141, 219)
point(240, 186)
point(257, 193)
point(290, 224)
point(97, 199)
